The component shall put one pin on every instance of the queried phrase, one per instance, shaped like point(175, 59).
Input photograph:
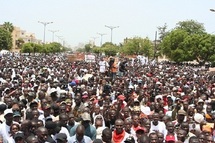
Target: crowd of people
point(47, 98)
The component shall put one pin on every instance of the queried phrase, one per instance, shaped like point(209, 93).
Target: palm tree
point(8, 26)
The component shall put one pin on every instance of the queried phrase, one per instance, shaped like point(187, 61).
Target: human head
point(143, 139)
point(181, 134)
point(61, 138)
point(155, 117)
point(19, 137)
point(119, 125)
point(14, 128)
point(80, 132)
point(42, 134)
point(170, 127)
point(8, 115)
point(32, 139)
point(86, 119)
point(153, 138)
point(63, 118)
point(128, 125)
point(160, 137)
point(194, 139)
point(107, 135)
point(185, 126)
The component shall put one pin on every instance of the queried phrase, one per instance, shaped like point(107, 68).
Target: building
point(21, 35)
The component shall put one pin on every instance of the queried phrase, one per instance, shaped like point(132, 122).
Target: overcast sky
point(80, 20)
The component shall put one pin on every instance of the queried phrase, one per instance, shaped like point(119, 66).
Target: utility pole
point(94, 39)
point(53, 32)
point(155, 48)
point(44, 24)
point(101, 35)
point(111, 29)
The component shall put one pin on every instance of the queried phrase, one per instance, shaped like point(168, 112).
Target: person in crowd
point(79, 135)
point(161, 101)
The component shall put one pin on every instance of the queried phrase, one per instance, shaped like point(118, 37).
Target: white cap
point(8, 111)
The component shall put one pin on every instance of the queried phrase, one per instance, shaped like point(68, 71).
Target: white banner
point(90, 58)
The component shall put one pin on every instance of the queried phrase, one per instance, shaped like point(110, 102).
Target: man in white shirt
point(5, 126)
point(156, 125)
point(102, 66)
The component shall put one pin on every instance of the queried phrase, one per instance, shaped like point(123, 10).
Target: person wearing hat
point(120, 102)
point(129, 139)
point(181, 117)
point(47, 113)
point(90, 130)
point(19, 137)
point(139, 132)
point(170, 139)
point(17, 117)
point(61, 138)
point(5, 126)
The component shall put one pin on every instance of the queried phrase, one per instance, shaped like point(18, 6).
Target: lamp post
point(53, 31)
point(44, 24)
point(101, 34)
point(155, 47)
point(111, 29)
point(60, 38)
point(94, 39)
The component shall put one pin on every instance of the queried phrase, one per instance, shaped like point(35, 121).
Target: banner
point(90, 58)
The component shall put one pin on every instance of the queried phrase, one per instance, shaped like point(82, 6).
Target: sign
point(90, 58)
point(75, 57)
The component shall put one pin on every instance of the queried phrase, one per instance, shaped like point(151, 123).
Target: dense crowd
point(47, 98)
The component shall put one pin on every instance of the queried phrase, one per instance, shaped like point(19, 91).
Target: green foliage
point(19, 42)
point(8, 26)
point(109, 49)
point(188, 42)
point(38, 48)
point(138, 46)
point(87, 47)
point(97, 50)
point(191, 26)
point(27, 48)
point(5, 39)
point(162, 31)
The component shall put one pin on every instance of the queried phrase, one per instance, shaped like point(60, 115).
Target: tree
point(109, 49)
point(5, 39)
point(162, 31)
point(88, 47)
point(172, 46)
point(138, 46)
point(27, 48)
point(8, 26)
point(19, 43)
point(188, 42)
point(201, 47)
point(191, 26)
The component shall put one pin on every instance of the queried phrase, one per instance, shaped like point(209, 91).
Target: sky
point(80, 21)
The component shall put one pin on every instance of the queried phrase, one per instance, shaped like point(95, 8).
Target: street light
point(101, 34)
point(111, 28)
point(53, 31)
point(44, 24)
point(94, 39)
point(60, 38)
